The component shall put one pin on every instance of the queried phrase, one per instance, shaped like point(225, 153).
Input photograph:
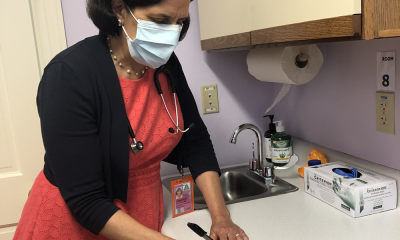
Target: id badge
point(182, 196)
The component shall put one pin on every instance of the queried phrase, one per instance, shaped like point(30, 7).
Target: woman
point(95, 98)
point(179, 193)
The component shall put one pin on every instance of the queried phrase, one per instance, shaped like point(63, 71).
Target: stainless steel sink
point(237, 187)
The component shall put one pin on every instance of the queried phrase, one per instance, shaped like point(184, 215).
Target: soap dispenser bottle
point(281, 144)
point(267, 138)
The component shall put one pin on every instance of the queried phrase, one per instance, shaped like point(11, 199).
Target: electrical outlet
point(209, 98)
point(385, 112)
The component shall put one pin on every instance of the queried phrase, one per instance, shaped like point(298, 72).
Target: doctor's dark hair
point(178, 190)
point(100, 11)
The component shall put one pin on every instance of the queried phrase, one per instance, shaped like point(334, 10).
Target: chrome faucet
point(255, 129)
point(257, 170)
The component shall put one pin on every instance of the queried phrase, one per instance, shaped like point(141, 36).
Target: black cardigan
point(85, 131)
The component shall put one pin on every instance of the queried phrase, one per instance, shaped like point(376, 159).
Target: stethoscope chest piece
point(136, 146)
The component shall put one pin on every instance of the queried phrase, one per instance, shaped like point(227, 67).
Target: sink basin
point(237, 187)
point(234, 185)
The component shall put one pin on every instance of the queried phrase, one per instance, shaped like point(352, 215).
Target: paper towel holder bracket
point(301, 60)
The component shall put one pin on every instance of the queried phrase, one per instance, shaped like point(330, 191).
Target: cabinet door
point(268, 14)
point(291, 20)
point(224, 23)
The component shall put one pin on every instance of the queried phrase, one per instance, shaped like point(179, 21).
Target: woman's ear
point(117, 7)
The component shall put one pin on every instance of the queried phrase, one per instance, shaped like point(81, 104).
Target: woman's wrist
point(220, 215)
point(209, 185)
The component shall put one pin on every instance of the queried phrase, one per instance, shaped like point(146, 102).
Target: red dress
point(46, 215)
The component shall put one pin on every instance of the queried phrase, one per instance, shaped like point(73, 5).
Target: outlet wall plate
point(385, 113)
point(209, 98)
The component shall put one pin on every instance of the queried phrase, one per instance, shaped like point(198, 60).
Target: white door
point(21, 148)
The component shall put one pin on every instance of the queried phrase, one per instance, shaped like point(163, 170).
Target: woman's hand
point(224, 229)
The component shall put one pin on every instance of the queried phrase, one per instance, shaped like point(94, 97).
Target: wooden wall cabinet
point(238, 24)
point(224, 23)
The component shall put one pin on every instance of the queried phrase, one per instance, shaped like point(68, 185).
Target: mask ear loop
point(123, 25)
point(130, 39)
point(133, 15)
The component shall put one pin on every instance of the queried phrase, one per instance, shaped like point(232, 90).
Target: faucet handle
point(253, 164)
point(269, 171)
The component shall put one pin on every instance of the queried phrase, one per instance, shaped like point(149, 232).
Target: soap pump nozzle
point(279, 127)
point(271, 126)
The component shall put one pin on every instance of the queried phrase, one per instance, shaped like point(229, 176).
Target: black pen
point(199, 231)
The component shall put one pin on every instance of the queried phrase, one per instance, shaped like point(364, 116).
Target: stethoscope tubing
point(136, 146)
point(177, 116)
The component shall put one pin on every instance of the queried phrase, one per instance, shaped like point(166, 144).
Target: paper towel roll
point(287, 65)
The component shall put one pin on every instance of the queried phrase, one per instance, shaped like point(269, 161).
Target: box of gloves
point(352, 190)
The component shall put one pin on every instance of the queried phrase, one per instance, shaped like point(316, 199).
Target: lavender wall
point(242, 98)
point(337, 108)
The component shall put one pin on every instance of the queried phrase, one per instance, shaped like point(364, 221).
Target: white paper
point(284, 90)
point(279, 65)
point(386, 73)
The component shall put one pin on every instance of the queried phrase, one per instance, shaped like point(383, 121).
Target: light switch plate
point(209, 98)
point(385, 112)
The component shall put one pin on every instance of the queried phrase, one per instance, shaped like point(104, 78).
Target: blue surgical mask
point(154, 42)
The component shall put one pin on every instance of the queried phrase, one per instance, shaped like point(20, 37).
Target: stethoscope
point(137, 146)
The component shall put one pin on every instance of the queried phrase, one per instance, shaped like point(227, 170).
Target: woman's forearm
point(222, 225)
point(208, 183)
point(122, 227)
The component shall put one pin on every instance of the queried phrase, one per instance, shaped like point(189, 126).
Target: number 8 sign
point(386, 74)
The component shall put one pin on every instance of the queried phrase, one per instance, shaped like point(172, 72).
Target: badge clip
point(181, 172)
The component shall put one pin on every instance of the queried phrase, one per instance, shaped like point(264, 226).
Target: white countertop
point(296, 215)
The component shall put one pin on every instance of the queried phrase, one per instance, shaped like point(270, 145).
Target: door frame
point(49, 31)
point(50, 39)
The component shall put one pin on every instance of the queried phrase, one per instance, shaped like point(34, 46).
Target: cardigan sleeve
point(73, 151)
point(199, 152)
